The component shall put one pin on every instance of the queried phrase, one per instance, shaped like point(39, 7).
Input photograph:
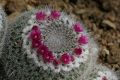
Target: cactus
point(47, 44)
point(3, 28)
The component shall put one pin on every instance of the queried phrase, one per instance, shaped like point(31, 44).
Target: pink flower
point(40, 15)
point(48, 57)
point(65, 58)
point(36, 43)
point(83, 39)
point(55, 14)
point(56, 62)
point(35, 34)
point(78, 51)
point(78, 27)
point(42, 49)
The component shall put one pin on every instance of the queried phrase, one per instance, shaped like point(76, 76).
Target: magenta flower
point(55, 14)
point(35, 34)
point(48, 56)
point(42, 49)
point(78, 51)
point(65, 58)
point(40, 15)
point(36, 43)
point(78, 27)
point(83, 39)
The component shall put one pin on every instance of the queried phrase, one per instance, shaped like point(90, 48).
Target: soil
point(101, 17)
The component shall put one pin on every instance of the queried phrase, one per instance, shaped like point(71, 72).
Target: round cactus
point(47, 44)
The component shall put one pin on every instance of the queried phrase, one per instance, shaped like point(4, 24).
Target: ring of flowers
point(34, 45)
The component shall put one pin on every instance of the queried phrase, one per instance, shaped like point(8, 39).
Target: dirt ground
point(101, 17)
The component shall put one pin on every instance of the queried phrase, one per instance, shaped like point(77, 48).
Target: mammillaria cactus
point(47, 44)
